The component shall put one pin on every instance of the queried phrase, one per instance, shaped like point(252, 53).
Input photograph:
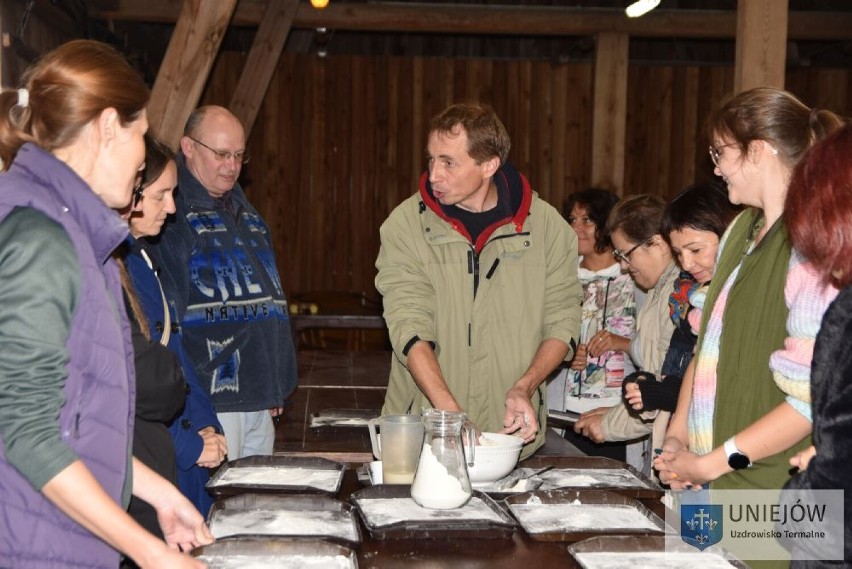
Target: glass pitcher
point(441, 481)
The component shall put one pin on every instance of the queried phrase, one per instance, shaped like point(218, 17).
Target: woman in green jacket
point(740, 431)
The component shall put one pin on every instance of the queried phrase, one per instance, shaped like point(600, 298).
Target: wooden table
point(517, 551)
point(357, 380)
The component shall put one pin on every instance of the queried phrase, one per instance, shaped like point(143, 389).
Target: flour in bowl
point(326, 480)
point(547, 518)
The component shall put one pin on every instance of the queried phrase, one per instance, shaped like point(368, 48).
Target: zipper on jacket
point(473, 269)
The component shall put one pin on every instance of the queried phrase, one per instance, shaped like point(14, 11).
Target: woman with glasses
point(608, 319)
point(184, 442)
point(634, 226)
point(740, 431)
point(693, 223)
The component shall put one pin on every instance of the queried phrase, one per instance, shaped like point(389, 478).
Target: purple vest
point(96, 420)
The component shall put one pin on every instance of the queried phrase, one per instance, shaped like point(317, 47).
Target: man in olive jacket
point(479, 279)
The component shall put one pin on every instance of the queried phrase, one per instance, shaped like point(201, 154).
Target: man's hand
point(520, 418)
point(214, 450)
point(589, 424)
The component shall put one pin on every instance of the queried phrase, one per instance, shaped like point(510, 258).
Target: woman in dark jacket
point(818, 212)
point(159, 398)
point(196, 442)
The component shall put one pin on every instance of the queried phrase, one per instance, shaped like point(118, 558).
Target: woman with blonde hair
point(740, 431)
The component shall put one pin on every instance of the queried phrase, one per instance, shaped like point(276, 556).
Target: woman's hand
point(183, 526)
point(166, 558)
point(581, 358)
point(633, 396)
point(801, 459)
point(589, 424)
point(605, 341)
point(214, 450)
point(663, 464)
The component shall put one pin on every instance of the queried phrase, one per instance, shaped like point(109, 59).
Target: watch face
point(738, 461)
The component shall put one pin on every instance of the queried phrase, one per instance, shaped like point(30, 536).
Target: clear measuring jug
point(441, 481)
point(398, 446)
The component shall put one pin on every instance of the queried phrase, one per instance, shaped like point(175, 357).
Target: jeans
point(248, 433)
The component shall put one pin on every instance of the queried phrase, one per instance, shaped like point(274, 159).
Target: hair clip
point(23, 98)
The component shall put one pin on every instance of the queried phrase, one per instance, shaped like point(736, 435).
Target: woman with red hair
point(819, 221)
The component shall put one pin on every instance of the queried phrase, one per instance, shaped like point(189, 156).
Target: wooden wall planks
point(340, 141)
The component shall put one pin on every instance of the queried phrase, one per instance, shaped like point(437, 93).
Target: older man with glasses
point(218, 266)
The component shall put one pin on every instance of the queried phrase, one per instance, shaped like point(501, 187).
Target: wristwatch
point(736, 459)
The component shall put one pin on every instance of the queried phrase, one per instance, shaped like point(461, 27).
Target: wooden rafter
point(500, 19)
point(186, 65)
point(262, 61)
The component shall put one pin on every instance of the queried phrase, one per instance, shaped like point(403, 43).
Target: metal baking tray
point(314, 516)
point(276, 553)
point(219, 489)
point(589, 497)
point(624, 546)
point(448, 526)
point(343, 418)
point(649, 493)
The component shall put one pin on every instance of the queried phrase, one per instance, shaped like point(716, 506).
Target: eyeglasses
point(137, 187)
point(584, 220)
point(241, 157)
point(625, 257)
point(716, 152)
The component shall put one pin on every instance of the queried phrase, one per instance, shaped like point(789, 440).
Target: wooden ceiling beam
point(499, 19)
point(262, 61)
point(183, 73)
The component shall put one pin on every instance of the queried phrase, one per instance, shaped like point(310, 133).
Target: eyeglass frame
point(221, 155)
point(138, 187)
point(625, 257)
point(716, 152)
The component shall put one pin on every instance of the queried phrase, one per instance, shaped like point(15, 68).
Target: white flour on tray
point(650, 560)
point(284, 522)
point(326, 480)
point(276, 562)
point(386, 511)
point(546, 518)
point(590, 477)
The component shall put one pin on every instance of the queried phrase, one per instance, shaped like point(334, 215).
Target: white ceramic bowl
point(495, 458)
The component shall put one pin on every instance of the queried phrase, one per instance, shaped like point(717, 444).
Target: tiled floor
point(333, 380)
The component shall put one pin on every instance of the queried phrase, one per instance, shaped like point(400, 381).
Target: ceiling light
point(640, 8)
